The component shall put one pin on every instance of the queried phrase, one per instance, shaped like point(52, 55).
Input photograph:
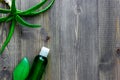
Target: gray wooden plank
point(39, 39)
point(7, 59)
point(87, 44)
point(117, 38)
point(54, 33)
point(67, 40)
point(107, 44)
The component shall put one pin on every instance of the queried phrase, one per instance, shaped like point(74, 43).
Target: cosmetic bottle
point(39, 64)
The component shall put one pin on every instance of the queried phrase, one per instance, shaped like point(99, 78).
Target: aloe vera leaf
point(9, 19)
point(21, 71)
point(4, 10)
point(8, 37)
point(34, 7)
point(3, 19)
point(13, 7)
point(23, 22)
point(38, 12)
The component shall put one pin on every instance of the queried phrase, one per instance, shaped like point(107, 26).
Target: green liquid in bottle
point(39, 65)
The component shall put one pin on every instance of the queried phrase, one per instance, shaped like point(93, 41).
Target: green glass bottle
point(39, 65)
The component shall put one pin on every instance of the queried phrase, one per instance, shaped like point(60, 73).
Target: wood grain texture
point(83, 35)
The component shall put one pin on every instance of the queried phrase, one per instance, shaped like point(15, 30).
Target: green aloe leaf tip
point(22, 70)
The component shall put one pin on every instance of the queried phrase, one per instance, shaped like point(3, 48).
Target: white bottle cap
point(44, 51)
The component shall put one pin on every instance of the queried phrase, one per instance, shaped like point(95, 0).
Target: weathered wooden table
point(83, 35)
